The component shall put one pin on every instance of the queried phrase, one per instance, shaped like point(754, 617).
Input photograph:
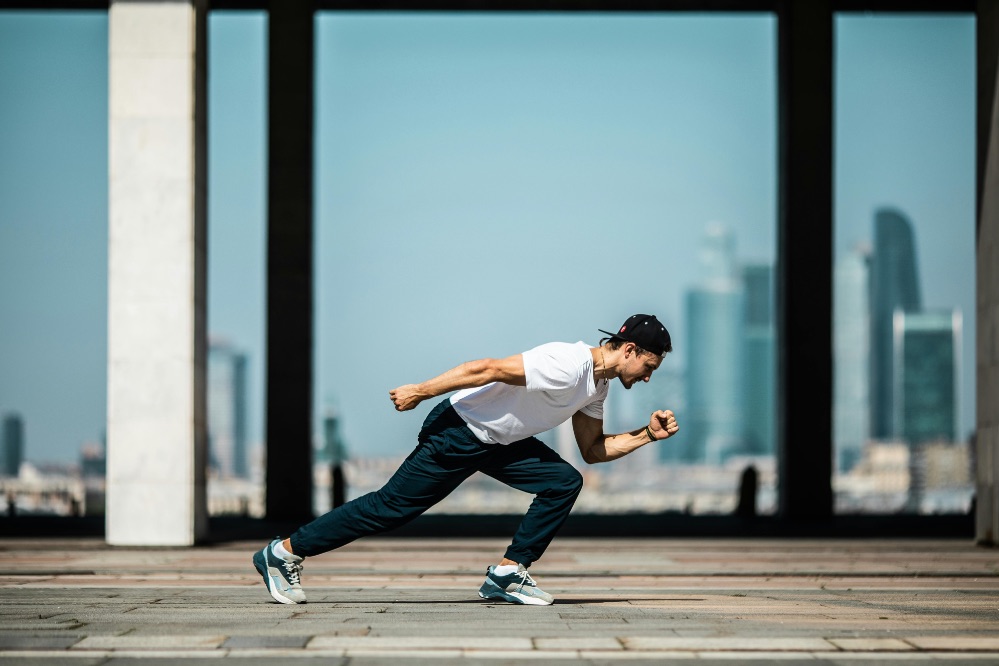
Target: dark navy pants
point(447, 454)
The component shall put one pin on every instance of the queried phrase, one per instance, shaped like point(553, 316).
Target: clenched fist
point(663, 424)
point(405, 397)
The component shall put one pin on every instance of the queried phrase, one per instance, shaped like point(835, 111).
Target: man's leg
point(419, 483)
point(446, 456)
point(531, 466)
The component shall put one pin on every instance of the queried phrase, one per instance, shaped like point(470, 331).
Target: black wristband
point(648, 431)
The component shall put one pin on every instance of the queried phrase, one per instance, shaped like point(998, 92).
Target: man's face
point(638, 367)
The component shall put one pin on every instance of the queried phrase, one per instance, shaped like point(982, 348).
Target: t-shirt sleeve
point(550, 367)
point(595, 409)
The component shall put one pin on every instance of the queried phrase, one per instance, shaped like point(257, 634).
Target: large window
point(237, 209)
point(486, 183)
point(53, 259)
point(904, 408)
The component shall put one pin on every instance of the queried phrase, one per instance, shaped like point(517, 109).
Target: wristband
point(648, 431)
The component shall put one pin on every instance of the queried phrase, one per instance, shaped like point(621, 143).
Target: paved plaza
point(409, 600)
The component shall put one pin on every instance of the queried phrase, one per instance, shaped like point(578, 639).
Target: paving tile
point(134, 642)
point(180, 656)
point(243, 642)
point(395, 654)
point(21, 657)
point(657, 657)
point(960, 643)
point(723, 643)
point(578, 643)
point(742, 657)
point(420, 642)
point(272, 654)
point(870, 644)
point(55, 642)
point(523, 655)
point(865, 658)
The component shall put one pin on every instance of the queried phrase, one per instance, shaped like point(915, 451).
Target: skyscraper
point(759, 396)
point(13, 444)
point(927, 350)
point(714, 320)
point(851, 358)
point(894, 286)
point(227, 418)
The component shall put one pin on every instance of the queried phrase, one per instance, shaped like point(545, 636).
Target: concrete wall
point(156, 274)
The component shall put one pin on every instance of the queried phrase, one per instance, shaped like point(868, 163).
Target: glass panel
point(489, 183)
point(53, 259)
point(904, 408)
point(237, 213)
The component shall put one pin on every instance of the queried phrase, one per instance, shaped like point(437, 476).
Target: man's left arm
point(596, 447)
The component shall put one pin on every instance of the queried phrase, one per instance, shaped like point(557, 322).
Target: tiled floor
point(414, 601)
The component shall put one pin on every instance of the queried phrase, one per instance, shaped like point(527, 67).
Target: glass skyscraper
point(714, 320)
point(759, 396)
point(851, 354)
point(926, 352)
point(894, 286)
point(13, 444)
point(227, 418)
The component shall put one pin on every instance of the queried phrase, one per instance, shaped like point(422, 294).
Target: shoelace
point(294, 570)
point(525, 579)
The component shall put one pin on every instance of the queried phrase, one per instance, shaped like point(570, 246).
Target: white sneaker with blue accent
point(282, 577)
point(517, 588)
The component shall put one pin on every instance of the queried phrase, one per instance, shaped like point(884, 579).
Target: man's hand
point(663, 424)
point(406, 397)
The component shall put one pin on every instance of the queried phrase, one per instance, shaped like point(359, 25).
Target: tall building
point(851, 358)
point(714, 322)
point(894, 286)
point(13, 444)
point(759, 406)
point(927, 350)
point(227, 410)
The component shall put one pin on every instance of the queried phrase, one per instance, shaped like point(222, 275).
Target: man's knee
point(569, 480)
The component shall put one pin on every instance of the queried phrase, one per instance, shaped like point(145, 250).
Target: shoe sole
point(498, 593)
point(269, 581)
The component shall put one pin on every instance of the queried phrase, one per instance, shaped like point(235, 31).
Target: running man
point(489, 426)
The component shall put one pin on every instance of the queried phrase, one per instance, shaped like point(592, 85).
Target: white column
point(156, 274)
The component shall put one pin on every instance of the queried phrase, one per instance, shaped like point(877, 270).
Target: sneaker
point(280, 576)
point(517, 588)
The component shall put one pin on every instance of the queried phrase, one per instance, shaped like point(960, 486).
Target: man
point(489, 426)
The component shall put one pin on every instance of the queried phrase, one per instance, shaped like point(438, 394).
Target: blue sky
point(484, 183)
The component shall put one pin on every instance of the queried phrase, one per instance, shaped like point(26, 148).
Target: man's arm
point(508, 370)
point(597, 447)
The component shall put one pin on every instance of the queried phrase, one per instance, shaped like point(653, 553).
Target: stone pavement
point(408, 600)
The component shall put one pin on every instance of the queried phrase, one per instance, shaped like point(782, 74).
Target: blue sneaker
point(280, 576)
point(517, 588)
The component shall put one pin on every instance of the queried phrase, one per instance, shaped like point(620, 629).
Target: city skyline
point(448, 132)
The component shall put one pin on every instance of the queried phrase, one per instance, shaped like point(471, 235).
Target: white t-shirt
point(559, 384)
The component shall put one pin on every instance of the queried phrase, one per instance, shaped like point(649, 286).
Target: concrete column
point(987, 278)
point(804, 259)
point(156, 274)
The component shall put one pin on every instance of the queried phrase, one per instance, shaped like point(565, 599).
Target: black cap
point(646, 332)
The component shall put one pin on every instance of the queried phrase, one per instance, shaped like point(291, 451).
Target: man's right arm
point(508, 370)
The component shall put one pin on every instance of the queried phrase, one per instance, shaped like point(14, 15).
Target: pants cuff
point(519, 557)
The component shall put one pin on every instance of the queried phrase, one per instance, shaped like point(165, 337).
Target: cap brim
point(613, 335)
